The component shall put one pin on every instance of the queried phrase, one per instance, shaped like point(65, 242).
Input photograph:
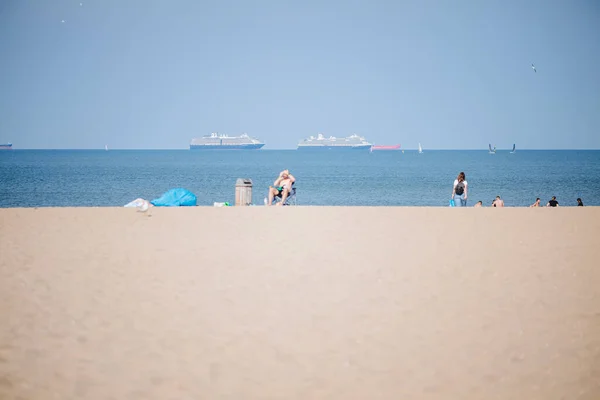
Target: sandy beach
point(300, 303)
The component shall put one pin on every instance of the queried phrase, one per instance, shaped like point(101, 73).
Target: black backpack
point(460, 188)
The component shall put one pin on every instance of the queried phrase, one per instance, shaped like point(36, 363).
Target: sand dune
point(300, 303)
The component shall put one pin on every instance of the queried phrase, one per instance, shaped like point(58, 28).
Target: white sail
point(420, 148)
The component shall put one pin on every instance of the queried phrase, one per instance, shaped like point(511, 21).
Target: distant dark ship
point(5, 146)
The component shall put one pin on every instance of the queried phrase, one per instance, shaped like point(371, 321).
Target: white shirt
point(456, 183)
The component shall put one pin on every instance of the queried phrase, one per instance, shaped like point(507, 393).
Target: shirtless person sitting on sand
point(282, 185)
point(498, 202)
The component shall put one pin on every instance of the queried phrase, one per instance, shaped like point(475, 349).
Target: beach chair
point(290, 200)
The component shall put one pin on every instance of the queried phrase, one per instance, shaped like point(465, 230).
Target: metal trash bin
point(243, 192)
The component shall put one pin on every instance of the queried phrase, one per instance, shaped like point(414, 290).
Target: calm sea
point(37, 178)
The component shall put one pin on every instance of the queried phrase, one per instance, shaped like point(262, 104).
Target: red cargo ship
point(394, 147)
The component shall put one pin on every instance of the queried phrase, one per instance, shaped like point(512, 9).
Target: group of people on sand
point(460, 189)
point(282, 187)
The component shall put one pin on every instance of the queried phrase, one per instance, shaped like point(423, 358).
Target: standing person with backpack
point(459, 191)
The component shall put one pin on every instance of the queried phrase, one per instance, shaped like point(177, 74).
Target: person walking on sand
point(536, 204)
point(498, 202)
point(552, 202)
point(459, 190)
point(579, 202)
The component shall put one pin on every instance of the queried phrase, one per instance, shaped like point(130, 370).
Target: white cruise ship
point(352, 142)
point(215, 141)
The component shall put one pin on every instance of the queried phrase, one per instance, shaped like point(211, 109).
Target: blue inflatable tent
point(175, 198)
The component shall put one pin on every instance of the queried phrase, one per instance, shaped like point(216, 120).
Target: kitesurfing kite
point(533, 68)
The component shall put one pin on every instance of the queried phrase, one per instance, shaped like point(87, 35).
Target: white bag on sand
point(135, 203)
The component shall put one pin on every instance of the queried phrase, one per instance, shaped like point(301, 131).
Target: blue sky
point(153, 74)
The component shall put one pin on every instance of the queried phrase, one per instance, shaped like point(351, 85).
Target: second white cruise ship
point(352, 142)
point(225, 142)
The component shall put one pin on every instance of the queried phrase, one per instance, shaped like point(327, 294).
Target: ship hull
point(5, 146)
point(226, 147)
point(334, 148)
point(386, 148)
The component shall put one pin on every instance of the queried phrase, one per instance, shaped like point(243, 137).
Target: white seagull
point(533, 68)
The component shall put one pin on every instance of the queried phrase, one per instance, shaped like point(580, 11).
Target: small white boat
point(420, 149)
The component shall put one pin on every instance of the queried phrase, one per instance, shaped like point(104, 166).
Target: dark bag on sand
point(460, 188)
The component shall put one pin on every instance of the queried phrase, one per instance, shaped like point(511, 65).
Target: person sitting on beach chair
point(282, 187)
point(289, 200)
